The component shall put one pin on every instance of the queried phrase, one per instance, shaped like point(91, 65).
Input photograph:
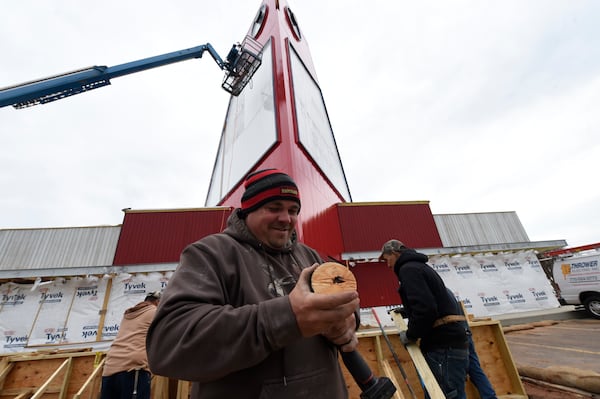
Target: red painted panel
point(366, 226)
point(323, 234)
point(377, 284)
point(160, 236)
point(317, 195)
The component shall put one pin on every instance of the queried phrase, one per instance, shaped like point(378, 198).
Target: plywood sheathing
point(370, 344)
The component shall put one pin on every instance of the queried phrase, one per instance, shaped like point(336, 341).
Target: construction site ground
point(557, 354)
point(550, 354)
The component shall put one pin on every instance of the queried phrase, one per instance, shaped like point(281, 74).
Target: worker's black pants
point(122, 385)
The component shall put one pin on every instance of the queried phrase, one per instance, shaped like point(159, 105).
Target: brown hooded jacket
point(225, 322)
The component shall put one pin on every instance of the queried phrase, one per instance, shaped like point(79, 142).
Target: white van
point(578, 279)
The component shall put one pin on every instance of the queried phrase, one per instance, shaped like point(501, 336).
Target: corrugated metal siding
point(323, 233)
point(480, 228)
point(366, 226)
point(160, 236)
point(377, 284)
point(57, 248)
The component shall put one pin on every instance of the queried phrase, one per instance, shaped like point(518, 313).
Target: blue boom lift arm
point(239, 66)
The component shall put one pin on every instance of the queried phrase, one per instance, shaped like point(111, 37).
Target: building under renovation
point(69, 286)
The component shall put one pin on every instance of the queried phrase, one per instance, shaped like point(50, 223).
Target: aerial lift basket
point(242, 61)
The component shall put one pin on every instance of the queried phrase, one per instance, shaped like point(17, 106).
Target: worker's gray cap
point(392, 246)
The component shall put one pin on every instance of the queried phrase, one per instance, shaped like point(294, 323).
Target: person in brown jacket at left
point(126, 374)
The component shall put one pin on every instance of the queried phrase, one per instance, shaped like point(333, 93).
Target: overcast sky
point(475, 106)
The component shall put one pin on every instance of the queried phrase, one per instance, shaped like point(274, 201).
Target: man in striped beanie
point(270, 207)
point(238, 317)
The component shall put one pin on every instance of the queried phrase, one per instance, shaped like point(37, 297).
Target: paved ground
point(569, 343)
point(561, 313)
point(572, 342)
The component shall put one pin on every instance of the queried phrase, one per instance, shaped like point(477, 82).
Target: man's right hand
point(319, 313)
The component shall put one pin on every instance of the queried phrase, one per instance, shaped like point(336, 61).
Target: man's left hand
point(404, 338)
point(344, 335)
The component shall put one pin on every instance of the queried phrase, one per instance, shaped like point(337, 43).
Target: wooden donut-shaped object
point(331, 277)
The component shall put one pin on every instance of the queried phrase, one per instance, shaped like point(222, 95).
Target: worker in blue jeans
point(477, 375)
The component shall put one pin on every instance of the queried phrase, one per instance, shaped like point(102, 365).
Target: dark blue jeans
point(477, 376)
point(449, 367)
point(120, 385)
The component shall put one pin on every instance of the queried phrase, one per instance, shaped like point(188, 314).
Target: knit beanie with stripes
point(267, 185)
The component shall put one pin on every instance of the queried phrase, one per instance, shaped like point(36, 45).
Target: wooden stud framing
point(42, 375)
point(91, 384)
point(104, 309)
point(24, 375)
point(66, 367)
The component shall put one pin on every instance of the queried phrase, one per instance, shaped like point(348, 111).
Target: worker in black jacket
point(431, 317)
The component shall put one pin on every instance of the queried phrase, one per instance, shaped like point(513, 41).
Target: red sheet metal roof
point(366, 226)
point(159, 236)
